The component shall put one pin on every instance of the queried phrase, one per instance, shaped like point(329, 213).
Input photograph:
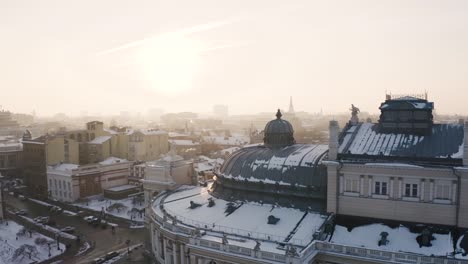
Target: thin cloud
point(185, 31)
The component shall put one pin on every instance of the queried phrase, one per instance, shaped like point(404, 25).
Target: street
point(103, 240)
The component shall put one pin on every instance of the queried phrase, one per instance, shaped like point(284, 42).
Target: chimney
point(465, 147)
point(333, 140)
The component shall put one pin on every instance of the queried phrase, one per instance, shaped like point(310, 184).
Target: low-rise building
point(11, 157)
point(146, 145)
point(167, 173)
point(69, 182)
point(41, 152)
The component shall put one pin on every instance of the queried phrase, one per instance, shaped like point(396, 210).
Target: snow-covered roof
point(10, 146)
point(183, 142)
point(110, 131)
point(176, 134)
point(153, 132)
point(112, 160)
point(121, 188)
point(65, 167)
point(400, 239)
point(294, 164)
point(446, 141)
point(203, 166)
point(227, 141)
point(249, 219)
point(100, 140)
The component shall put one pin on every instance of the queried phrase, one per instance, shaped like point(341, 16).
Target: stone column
point(332, 186)
point(165, 250)
point(431, 190)
point(400, 185)
point(333, 140)
point(370, 186)
point(182, 254)
point(174, 252)
point(361, 186)
point(192, 259)
point(422, 190)
point(390, 188)
point(454, 192)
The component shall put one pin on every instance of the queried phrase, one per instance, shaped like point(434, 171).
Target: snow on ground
point(400, 240)
point(248, 219)
point(9, 244)
point(51, 229)
point(97, 203)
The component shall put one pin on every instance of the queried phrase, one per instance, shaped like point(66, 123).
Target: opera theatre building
point(394, 191)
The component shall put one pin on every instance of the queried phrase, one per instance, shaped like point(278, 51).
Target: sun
point(170, 63)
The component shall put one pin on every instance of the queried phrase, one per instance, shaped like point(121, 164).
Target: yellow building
point(97, 143)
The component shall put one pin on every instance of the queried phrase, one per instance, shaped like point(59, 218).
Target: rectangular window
point(442, 192)
point(411, 190)
point(380, 187)
point(352, 185)
point(69, 187)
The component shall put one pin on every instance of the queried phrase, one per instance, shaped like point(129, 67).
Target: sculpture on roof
point(354, 115)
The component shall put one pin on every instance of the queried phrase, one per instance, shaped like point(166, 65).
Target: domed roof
point(278, 132)
point(298, 164)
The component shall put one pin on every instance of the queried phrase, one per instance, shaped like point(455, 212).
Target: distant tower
point(291, 107)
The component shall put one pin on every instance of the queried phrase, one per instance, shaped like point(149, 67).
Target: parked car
point(68, 229)
point(98, 260)
point(42, 219)
point(111, 255)
point(21, 212)
point(56, 209)
point(22, 198)
point(90, 219)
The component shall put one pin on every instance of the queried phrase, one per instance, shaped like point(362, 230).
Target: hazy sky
point(111, 55)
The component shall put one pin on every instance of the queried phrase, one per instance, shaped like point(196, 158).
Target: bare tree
point(25, 250)
point(116, 207)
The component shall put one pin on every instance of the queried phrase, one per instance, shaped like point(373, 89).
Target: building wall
point(463, 210)
point(115, 174)
point(55, 150)
point(60, 186)
point(182, 172)
point(34, 168)
point(73, 152)
point(11, 161)
point(431, 190)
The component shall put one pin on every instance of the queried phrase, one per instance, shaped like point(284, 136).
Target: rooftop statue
point(354, 114)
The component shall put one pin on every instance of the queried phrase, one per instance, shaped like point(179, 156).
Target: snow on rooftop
point(400, 239)
point(364, 139)
point(121, 188)
point(100, 140)
point(66, 167)
point(112, 160)
point(250, 218)
point(183, 142)
point(227, 141)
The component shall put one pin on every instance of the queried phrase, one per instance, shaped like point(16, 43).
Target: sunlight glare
point(170, 63)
